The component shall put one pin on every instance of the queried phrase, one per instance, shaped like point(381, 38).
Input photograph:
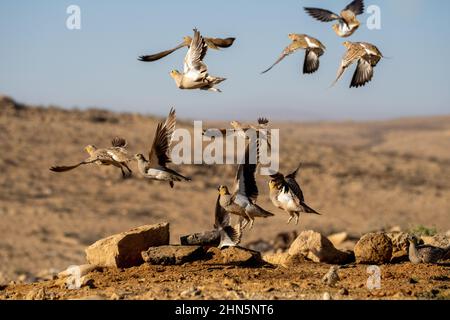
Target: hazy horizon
point(44, 63)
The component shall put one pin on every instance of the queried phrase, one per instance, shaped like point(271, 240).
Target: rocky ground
point(362, 177)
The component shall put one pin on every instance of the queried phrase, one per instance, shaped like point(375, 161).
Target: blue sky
point(42, 62)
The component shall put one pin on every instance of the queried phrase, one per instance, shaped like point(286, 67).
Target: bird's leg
point(251, 223)
point(245, 222)
point(124, 175)
point(291, 216)
point(297, 217)
point(128, 168)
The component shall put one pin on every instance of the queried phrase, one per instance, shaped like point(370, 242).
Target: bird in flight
point(347, 21)
point(155, 167)
point(313, 47)
point(286, 194)
point(116, 155)
point(367, 55)
point(195, 74)
point(243, 200)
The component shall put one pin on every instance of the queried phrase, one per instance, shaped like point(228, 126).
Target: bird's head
point(412, 239)
point(347, 44)
point(293, 36)
point(187, 40)
point(174, 73)
point(139, 156)
point(235, 124)
point(90, 149)
point(273, 185)
point(223, 190)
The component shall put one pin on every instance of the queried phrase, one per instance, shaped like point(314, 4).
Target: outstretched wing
point(322, 14)
point(245, 177)
point(293, 184)
point(312, 61)
point(160, 55)
point(194, 67)
point(118, 142)
point(294, 46)
point(216, 43)
point(159, 152)
point(363, 73)
point(357, 7)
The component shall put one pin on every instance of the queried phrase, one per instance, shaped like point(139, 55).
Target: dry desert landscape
point(362, 177)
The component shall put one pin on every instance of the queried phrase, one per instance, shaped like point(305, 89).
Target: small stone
point(343, 292)
point(331, 277)
point(374, 248)
point(326, 296)
point(338, 238)
point(412, 281)
point(191, 292)
point(173, 255)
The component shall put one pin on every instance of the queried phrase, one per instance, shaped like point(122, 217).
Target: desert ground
point(362, 177)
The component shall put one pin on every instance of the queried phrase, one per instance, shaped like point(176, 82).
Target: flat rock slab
point(241, 257)
point(173, 255)
point(123, 250)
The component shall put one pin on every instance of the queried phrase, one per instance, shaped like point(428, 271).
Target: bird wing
point(356, 6)
point(159, 152)
point(322, 14)
point(294, 46)
point(220, 43)
point(222, 217)
point(160, 55)
point(68, 168)
point(263, 121)
point(363, 73)
point(245, 182)
point(352, 54)
point(194, 67)
point(118, 142)
point(312, 61)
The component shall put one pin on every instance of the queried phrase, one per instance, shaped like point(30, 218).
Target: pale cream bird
point(116, 155)
point(347, 21)
point(195, 74)
point(313, 47)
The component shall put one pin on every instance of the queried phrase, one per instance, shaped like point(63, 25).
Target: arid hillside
point(360, 176)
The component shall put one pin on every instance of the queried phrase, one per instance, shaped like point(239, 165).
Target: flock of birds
point(195, 72)
point(285, 192)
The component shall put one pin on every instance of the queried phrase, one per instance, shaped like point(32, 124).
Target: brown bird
point(286, 194)
point(155, 167)
point(116, 156)
point(243, 200)
point(212, 43)
point(238, 126)
point(314, 50)
point(367, 55)
point(347, 21)
point(425, 253)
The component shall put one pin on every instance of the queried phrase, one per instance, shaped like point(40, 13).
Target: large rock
point(241, 257)
point(338, 238)
point(399, 241)
point(374, 248)
point(123, 250)
point(173, 255)
point(439, 240)
point(283, 259)
point(318, 248)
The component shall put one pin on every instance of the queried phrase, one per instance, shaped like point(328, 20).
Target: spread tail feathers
point(230, 236)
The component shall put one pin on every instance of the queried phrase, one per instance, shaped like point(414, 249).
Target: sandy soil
point(361, 176)
point(208, 280)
